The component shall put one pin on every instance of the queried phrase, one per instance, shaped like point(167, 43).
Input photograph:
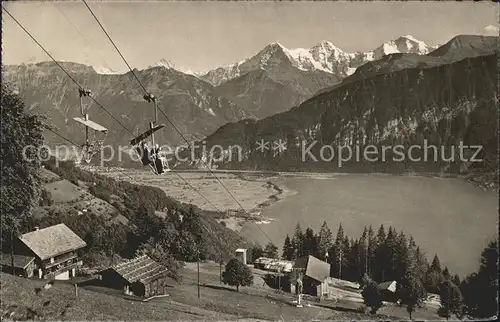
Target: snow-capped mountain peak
point(165, 63)
point(403, 44)
point(324, 57)
point(105, 70)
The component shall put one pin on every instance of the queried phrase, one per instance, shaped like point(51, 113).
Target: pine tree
point(324, 241)
point(372, 244)
point(381, 258)
point(390, 255)
point(401, 250)
point(451, 299)
point(310, 243)
point(363, 249)
point(456, 280)
point(410, 289)
point(446, 274)
point(288, 250)
point(337, 256)
point(434, 276)
point(480, 289)
point(271, 250)
point(355, 264)
point(340, 236)
point(298, 242)
point(422, 264)
point(436, 264)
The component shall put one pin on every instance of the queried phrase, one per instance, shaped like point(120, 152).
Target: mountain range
point(445, 97)
point(276, 92)
point(277, 79)
point(190, 103)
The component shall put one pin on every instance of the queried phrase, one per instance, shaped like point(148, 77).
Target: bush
point(451, 299)
point(372, 296)
point(45, 198)
point(237, 274)
point(101, 192)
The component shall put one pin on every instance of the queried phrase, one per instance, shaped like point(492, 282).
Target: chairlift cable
point(82, 89)
point(168, 119)
point(81, 34)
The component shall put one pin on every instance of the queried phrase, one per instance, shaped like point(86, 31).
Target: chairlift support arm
point(150, 98)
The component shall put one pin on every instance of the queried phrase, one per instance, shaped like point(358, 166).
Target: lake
point(446, 216)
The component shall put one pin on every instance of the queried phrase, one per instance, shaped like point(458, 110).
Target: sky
point(199, 36)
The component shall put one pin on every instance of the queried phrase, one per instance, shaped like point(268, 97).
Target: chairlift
point(150, 155)
point(93, 143)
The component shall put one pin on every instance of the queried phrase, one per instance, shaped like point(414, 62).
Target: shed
point(140, 276)
point(23, 265)
point(241, 255)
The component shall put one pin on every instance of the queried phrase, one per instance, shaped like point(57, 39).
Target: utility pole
point(340, 264)
point(220, 269)
point(279, 278)
point(198, 265)
point(12, 250)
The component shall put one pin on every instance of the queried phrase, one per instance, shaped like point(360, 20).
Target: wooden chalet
point(140, 276)
point(48, 253)
point(388, 291)
point(314, 273)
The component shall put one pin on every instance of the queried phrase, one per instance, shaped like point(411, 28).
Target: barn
point(140, 276)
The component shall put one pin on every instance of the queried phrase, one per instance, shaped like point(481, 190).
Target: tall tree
point(401, 248)
point(434, 276)
point(446, 274)
point(324, 241)
point(363, 250)
point(271, 250)
point(288, 250)
point(310, 243)
point(298, 241)
point(256, 251)
point(372, 244)
point(410, 289)
point(436, 263)
point(422, 264)
point(340, 236)
point(480, 289)
point(21, 138)
point(450, 298)
point(381, 258)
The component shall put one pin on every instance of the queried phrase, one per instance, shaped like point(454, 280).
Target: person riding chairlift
point(144, 152)
point(160, 163)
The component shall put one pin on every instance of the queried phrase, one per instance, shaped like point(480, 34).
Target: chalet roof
point(314, 268)
point(52, 241)
point(389, 286)
point(20, 261)
point(141, 268)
